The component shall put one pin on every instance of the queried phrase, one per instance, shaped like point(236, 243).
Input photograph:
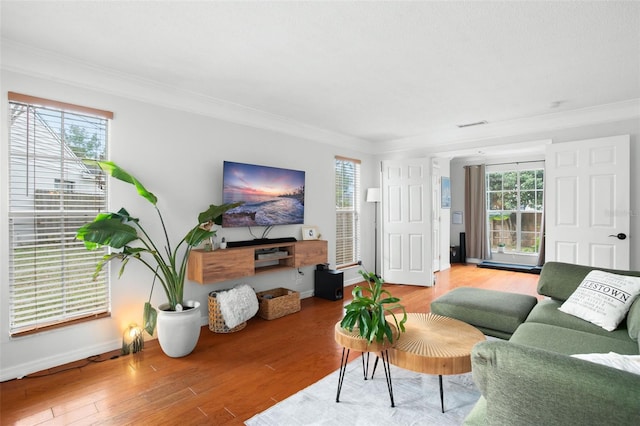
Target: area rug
point(366, 402)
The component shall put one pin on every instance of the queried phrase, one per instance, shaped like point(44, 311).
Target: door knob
point(620, 236)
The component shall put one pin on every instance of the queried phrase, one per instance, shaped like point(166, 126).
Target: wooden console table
point(208, 267)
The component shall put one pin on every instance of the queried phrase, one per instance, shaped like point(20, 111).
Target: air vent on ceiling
point(477, 123)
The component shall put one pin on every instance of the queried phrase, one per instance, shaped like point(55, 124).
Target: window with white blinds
point(52, 192)
point(347, 211)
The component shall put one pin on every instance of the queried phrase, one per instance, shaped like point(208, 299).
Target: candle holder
point(132, 340)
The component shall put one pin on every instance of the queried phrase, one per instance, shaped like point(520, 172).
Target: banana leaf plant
point(369, 309)
point(126, 235)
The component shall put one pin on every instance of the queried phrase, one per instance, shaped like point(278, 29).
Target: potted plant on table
point(178, 320)
point(369, 309)
point(369, 312)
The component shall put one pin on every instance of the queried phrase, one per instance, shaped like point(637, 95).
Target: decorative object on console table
point(126, 234)
point(328, 284)
point(310, 233)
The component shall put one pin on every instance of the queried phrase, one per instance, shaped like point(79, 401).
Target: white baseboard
point(305, 294)
point(21, 370)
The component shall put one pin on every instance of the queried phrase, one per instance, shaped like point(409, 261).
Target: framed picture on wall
point(457, 218)
point(445, 193)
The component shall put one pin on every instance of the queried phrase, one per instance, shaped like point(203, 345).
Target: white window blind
point(347, 182)
point(52, 192)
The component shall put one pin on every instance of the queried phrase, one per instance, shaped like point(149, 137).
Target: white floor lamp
point(374, 196)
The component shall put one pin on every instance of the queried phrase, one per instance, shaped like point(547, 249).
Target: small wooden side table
point(433, 344)
point(351, 340)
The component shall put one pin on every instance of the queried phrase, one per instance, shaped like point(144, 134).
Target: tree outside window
point(515, 202)
point(53, 189)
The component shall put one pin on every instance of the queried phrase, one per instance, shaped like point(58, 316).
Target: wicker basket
point(277, 303)
point(216, 320)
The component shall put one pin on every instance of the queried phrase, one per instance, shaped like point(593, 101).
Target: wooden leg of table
point(441, 394)
point(343, 368)
point(387, 373)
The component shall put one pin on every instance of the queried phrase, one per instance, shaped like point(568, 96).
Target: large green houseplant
point(125, 233)
point(369, 309)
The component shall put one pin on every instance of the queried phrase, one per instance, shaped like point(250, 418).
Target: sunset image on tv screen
point(271, 195)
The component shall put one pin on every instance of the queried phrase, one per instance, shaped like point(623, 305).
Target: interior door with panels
point(406, 221)
point(587, 186)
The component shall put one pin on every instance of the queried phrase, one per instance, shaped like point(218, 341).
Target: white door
point(587, 202)
point(406, 222)
point(435, 215)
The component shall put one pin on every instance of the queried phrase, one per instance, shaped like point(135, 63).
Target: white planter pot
point(179, 331)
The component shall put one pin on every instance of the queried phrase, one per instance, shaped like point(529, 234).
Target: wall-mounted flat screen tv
point(271, 195)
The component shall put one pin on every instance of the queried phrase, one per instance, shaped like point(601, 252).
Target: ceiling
point(378, 73)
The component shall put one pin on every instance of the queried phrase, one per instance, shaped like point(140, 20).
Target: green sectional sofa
point(532, 379)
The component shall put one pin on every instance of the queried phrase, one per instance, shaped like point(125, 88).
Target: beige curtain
point(542, 244)
point(476, 213)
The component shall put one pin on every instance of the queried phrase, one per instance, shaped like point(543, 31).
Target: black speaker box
point(329, 284)
point(463, 247)
point(454, 254)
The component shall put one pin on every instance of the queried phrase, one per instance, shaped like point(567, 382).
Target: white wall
point(630, 127)
point(178, 156)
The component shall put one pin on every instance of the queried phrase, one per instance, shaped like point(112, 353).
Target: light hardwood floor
point(227, 379)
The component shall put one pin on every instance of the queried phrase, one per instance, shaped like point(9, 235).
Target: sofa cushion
point(566, 341)
point(633, 320)
point(546, 312)
point(603, 298)
point(559, 280)
point(485, 309)
point(528, 386)
point(630, 363)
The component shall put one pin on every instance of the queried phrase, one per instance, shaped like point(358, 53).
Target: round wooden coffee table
point(434, 344)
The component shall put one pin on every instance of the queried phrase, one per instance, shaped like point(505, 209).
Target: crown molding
point(436, 139)
point(39, 63)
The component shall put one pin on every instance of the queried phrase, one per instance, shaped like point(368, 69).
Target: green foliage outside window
point(515, 201)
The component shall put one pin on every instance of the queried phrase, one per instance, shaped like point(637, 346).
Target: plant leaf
point(196, 236)
point(150, 318)
point(214, 213)
point(106, 230)
point(119, 173)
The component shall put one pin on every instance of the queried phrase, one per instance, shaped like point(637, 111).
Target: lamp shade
point(374, 195)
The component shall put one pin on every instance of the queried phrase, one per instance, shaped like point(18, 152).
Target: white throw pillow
point(603, 298)
point(630, 363)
